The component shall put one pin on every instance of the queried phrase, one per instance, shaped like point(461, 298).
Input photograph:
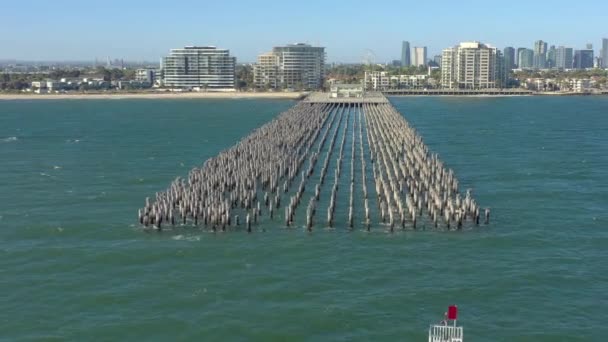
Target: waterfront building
point(266, 71)
point(419, 56)
point(563, 58)
point(509, 55)
point(540, 54)
point(583, 59)
point(409, 81)
point(376, 80)
point(605, 53)
point(199, 67)
point(472, 65)
point(525, 58)
point(295, 66)
point(405, 54)
point(147, 75)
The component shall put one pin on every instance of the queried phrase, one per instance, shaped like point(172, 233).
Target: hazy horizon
point(144, 31)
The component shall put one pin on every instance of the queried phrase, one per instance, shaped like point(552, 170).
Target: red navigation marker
point(452, 312)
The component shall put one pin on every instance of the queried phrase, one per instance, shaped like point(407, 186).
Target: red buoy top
point(452, 312)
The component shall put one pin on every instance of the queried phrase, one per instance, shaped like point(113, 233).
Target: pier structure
point(343, 163)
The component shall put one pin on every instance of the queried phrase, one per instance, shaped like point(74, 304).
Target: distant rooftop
point(473, 45)
point(209, 47)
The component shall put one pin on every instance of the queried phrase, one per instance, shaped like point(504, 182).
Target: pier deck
point(350, 163)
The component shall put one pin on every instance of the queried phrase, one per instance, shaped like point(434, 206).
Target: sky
point(133, 30)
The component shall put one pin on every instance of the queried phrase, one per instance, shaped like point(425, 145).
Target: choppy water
point(74, 266)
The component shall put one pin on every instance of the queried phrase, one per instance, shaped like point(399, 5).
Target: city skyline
point(247, 34)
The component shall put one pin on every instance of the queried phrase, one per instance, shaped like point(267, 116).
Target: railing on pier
point(445, 333)
point(397, 92)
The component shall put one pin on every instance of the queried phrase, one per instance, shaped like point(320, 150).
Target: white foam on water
point(181, 237)
point(9, 139)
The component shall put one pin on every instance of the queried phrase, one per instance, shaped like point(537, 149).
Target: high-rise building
point(299, 66)
point(563, 58)
point(419, 56)
point(266, 71)
point(589, 46)
point(406, 60)
point(540, 54)
point(199, 66)
point(583, 59)
point(551, 57)
point(509, 55)
point(605, 53)
point(525, 58)
point(471, 65)
point(517, 56)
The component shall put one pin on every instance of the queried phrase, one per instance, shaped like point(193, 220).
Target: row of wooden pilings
point(278, 160)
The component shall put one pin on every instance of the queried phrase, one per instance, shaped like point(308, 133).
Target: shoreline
point(160, 95)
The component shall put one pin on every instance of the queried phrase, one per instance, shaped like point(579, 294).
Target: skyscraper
point(605, 53)
point(517, 56)
point(419, 56)
point(540, 54)
point(563, 58)
point(551, 57)
point(199, 66)
point(583, 59)
point(509, 55)
point(471, 65)
point(405, 54)
point(526, 58)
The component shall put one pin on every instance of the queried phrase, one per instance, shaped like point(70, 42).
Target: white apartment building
point(580, 85)
point(147, 75)
point(381, 80)
point(266, 71)
point(204, 67)
point(471, 65)
point(409, 81)
point(297, 66)
point(377, 80)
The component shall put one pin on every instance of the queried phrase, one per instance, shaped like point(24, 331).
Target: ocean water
point(74, 265)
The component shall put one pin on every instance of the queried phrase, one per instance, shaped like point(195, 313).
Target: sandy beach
point(157, 95)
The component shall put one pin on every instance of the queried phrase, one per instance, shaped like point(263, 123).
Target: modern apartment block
point(148, 75)
point(298, 66)
point(204, 67)
point(377, 80)
point(266, 71)
point(525, 58)
point(406, 60)
point(419, 56)
point(583, 59)
point(472, 65)
point(563, 58)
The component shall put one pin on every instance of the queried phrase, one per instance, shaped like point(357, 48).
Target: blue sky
point(147, 30)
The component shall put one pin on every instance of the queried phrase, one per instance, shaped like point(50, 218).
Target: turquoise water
point(75, 266)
